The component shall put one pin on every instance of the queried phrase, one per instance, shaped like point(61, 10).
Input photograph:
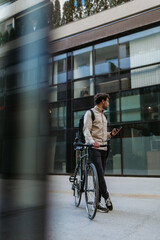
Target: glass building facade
point(128, 68)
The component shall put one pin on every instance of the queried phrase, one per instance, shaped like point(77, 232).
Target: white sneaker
point(109, 204)
point(101, 208)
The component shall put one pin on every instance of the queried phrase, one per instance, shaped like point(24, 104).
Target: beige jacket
point(96, 131)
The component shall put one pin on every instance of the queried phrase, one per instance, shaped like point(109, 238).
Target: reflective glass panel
point(113, 111)
point(131, 106)
point(22, 74)
point(52, 96)
point(113, 165)
point(146, 76)
point(44, 74)
point(106, 57)
point(57, 153)
point(60, 73)
point(150, 98)
point(57, 116)
point(125, 80)
point(107, 83)
point(83, 88)
point(82, 60)
point(141, 149)
point(140, 49)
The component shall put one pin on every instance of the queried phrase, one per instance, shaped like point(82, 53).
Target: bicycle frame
point(85, 179)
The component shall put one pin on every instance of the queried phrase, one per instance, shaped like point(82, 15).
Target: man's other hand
point(96, 145)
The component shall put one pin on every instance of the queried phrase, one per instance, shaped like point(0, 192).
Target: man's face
point(105, 104)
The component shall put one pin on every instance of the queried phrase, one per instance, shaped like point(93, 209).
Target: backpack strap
point(92, 114)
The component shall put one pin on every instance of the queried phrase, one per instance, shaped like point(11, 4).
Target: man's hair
point(100, 96)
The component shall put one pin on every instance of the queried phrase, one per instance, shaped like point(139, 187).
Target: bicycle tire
point(91, 190)
point(77, 186)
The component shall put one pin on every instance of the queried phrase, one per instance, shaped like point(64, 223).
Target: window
point(113, 111)
point(60, 74)
point(57, 93)
point(106, 57)
point(22, 74)
point(131, 106)
point(150, 98)
point(139, 50)
point(82, 63)
point(57, 116)
point(145, 76)
point(57, 153)
point(141, 149)
point(83, 88)
point(125, 80)
point(108, 83)
point(113, 165)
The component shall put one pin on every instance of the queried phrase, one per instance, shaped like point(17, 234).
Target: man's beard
point(104, 107)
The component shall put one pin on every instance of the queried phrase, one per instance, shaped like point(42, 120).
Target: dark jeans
point(98, 158)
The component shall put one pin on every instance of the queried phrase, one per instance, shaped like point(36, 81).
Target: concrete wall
point(105, 17)
point(16, 7)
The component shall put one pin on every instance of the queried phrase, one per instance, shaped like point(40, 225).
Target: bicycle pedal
point(71, 179)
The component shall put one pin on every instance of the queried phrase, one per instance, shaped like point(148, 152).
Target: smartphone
point(118, 128)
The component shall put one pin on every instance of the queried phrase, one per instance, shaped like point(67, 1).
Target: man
point(95, 133)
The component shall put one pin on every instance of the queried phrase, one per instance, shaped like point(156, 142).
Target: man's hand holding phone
point(115, 131)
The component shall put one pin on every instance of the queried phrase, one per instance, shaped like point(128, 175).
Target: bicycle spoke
point(91, 191)
point(77, 186)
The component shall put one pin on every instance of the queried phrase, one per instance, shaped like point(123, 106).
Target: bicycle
point(85, 179)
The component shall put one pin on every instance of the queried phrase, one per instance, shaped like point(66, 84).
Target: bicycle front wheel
point(77, 185)
point(91, 190)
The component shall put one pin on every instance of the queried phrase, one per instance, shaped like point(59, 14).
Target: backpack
point(81, 125)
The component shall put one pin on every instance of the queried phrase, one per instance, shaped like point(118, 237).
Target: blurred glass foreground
point(23, 136)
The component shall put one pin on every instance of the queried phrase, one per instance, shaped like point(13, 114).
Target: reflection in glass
point(82, 63)
point(141, 155)
point(140, 49)
point(43, 71)
point(146, 76)
point(150, 98)
point(124, 56)
point(22, 74)
point(106, 55)
point(52, 96)
point(60, 74)
point(145, 50)
point(141, 149)
point(83, 88)
point(107, 84)
point(57, 116)
point(113, 111)
point(125, 80)
point(57, 153)
point(113, 165)
point(131, 106)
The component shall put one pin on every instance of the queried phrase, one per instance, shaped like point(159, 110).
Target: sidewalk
point(136, 214)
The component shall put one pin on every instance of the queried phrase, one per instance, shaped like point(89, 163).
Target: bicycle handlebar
point(89, 145)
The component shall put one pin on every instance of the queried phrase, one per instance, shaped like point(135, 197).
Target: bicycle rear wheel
point(91, 190)
point(77, 185)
